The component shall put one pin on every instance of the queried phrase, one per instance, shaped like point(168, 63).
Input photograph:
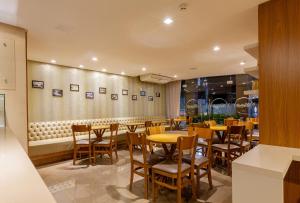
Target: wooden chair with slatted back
point(234, 146)
point(176, 170)
point(82, 146)
point(108, 146)
point(203, 163)
point(148, 124)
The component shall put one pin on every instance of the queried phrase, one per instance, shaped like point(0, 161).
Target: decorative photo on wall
point(114, 96)
point(150, 98)
point(143, 93)
point(37, 84)
point(102, 90)
point(89, 95)
point(134, 97)
point(74, 88)
point(57, 93)
point(124, 92)
point(157, 94)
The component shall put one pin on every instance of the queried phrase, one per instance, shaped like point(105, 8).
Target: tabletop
point(131, 124)
point(164, 138)
point(219, 127)
point(100, 127)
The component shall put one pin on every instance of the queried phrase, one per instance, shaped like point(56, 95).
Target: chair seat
point(82, 142)
point(199, 160)
point(225, 146)
point(103, 142)
point(201, 141)
point(171, 167)
point(151, 159)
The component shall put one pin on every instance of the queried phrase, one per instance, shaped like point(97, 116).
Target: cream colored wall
point(16, 103)
point(73, 105)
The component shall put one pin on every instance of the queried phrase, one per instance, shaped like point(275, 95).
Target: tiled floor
point(109, 183)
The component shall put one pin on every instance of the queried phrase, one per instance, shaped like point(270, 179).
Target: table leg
point(169, 153)
point(132, 128)
point(99, 134)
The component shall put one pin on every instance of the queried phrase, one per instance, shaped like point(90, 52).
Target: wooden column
point(279, 69)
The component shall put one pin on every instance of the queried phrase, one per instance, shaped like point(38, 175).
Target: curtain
point(173, 99)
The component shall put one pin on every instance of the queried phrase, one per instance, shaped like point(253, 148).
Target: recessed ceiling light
point(242, 63)
point(123, 73)
point(104, 70)
point(168, 21)
point(53, 61)
point(95, 59)
point(221, 85)
point(216, 48)
point(144, 69)
point(175, 76)
point(243, 83)
point(81, 66)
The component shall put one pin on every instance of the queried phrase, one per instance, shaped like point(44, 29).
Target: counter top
point(19, 180)
point(271, 160)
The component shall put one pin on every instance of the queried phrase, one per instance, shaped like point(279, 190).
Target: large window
point(2, 110)
point(218, 97)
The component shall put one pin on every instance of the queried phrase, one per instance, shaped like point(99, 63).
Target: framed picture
point(114, 96)
point(89, 95)
point(102, 90)
point(143, 93)
point(57, 93)
point(124, 92)
point(150, 98)
point(37, 84)
point(74, 88)
point(134, 97)
point(157, 94)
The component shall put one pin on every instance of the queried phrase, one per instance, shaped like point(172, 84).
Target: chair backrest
point(231, 122)
point(156, 130)
point(137, 139)
point(80, 129)
point(210, 123)
point(207, 135)
point(235, 135)
point(186, 143)
point(148, 124)
point(114, 132)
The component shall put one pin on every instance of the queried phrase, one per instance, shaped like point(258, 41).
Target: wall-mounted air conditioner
point(154, 78)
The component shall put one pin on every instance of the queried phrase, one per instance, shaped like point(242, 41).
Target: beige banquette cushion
point(53, 136)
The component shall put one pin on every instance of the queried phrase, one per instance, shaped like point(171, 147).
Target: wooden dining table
point(133, 126)
point(165, 140)
point(99, 130)
point(218, 129)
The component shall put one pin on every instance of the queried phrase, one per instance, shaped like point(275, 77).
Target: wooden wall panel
point(279, 68)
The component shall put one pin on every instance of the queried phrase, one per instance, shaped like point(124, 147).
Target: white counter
point(258, 175)
point(19, 180)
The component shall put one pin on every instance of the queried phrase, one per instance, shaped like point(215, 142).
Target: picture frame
point(157, 94)
point(150, 98)
point(74, 87)
point(89, 95)
point(142, 93)
point(57, 93)
point(134, 97)
point(102, 90)
point(124, 92)
point(114, 96)
point(37, 84)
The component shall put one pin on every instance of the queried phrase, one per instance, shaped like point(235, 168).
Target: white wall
point(16, 103)
point(73, 105)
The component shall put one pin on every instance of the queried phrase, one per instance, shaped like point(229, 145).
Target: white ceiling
point(127, 35)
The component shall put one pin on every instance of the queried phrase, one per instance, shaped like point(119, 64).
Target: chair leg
point(90, 155)
point(116, 151)
point(74, 155)
point(146, 185)
point(209, 176)
point(153, 188)
point(179, 190)
point(111, 157)
point(228, 163)
point(193, 186)
point(94, 154)
point(198, 181)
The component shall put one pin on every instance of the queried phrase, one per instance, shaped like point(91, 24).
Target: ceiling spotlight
point(216, 48)
point(175, 76)
point(53, 61)
point(221, 85)
point(95, 59)
point(81, 66)
point(144, 69)
point(242, 63)
point(122, 73)
point(104, 70)
point(168, 21)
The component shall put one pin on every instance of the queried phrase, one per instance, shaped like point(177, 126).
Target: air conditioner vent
point(154, 78)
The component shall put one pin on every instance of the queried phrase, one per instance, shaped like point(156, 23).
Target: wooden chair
point(82, 146)
point(202, 162)
point(140, 164)
point(249, 127)
point(210, 123)
point(107, 146)
point(176, 170)
point(231, 122)
point(233, 148)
